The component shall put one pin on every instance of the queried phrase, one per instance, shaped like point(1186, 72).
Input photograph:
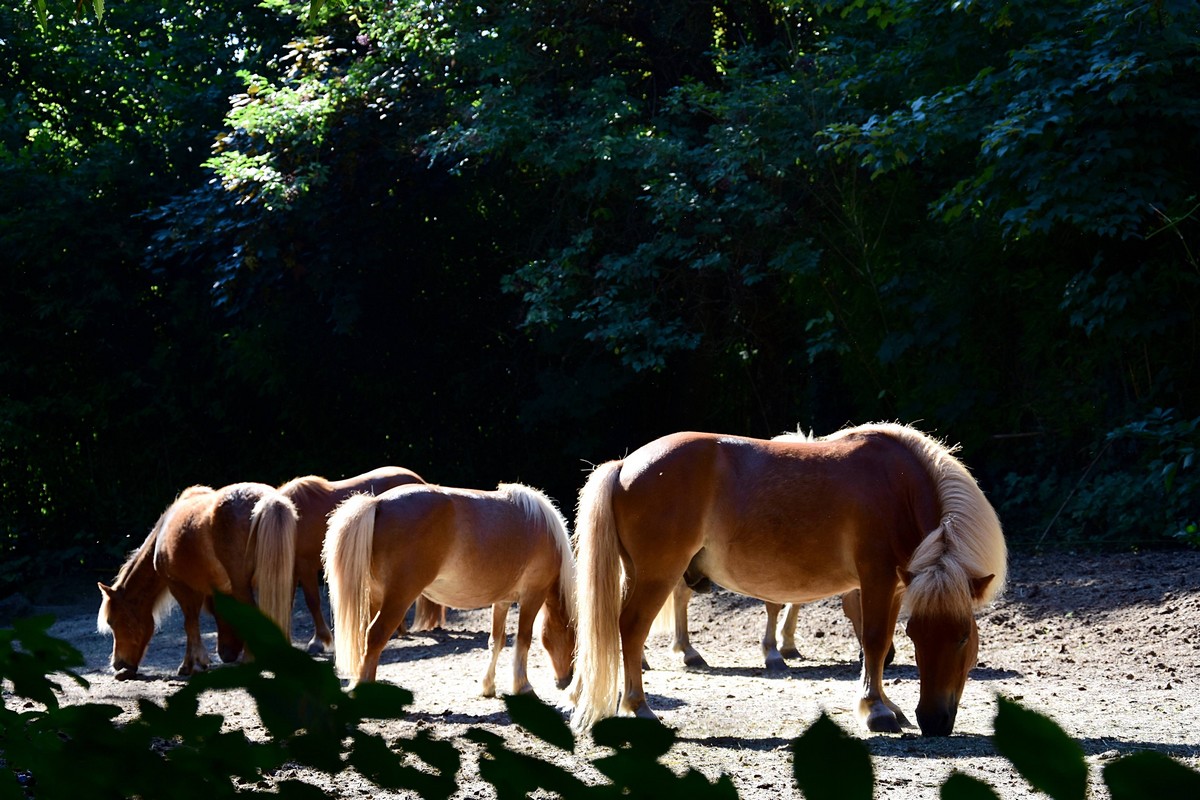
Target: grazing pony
point(461, 548)
point(881, 508)
point(315, 499)
point(239, 540)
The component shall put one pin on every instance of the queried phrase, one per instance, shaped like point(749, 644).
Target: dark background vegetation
point(499, 242)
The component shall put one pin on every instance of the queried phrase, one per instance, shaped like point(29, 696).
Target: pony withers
point(881, 508)
point(315, 499)
point(460, 548)
point(239, 540)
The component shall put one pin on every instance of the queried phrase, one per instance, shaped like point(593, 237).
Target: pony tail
point(347, 559)
point(597, 660)
point(273, 532)
point(428, 615)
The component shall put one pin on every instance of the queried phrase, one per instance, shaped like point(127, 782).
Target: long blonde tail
point(598, 655)
point(347, 557)
point(273, 532)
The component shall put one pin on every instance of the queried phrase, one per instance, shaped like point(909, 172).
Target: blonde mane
point(537, 505)
point(968, 544)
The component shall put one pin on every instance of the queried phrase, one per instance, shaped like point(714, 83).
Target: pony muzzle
point(936, 718)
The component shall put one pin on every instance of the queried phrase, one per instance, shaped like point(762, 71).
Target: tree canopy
point(247, 241)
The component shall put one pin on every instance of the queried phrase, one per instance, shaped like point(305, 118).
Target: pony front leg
point(526, 614)
point(880, 608)
point(496, 642)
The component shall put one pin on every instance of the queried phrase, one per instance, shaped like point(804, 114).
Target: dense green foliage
point(500, 243)
point(56, 751)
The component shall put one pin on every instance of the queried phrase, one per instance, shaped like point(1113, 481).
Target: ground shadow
point(432, 644)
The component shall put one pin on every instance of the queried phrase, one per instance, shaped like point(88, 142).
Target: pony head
point(131, 625)
point(942, 595)
point(558, 637)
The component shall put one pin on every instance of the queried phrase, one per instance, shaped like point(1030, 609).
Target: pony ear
point(979, 586)
point(906, 577)
point(107, 591)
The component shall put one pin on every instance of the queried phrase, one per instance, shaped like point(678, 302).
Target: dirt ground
point(1108, 646)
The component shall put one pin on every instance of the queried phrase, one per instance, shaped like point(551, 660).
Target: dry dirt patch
point(1109, 646)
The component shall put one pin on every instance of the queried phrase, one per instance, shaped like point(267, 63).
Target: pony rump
point(536, 505)
point(961, 564)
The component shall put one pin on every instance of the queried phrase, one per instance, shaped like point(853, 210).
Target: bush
point(81, 750)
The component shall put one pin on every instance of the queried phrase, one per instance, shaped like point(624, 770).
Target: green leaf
point(1150, 776)
point(1041, 751)
point(541, 720)
point(831, 765)
point(963, 787)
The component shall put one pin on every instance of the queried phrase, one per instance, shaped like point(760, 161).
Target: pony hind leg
point(322, 638)
point(383, 624)
point(496, 644)
point(788, 648)
point(771, 655)
point(637, 616)
point(195, 656)
point(680, 598)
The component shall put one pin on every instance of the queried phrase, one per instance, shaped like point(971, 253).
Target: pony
point(461, 548)
point(882, 508)
point(239, 540)
point(315, 499)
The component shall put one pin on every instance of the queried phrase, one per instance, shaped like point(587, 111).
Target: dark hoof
point(126, 674)
point(776, 664)
point(884, 722)
point(790, 652)
point(695, 661)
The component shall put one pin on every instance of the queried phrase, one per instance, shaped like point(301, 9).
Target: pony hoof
point(317, 647)
point(883, 722)
point(126, 674)
point(695, 661)
point(790, 652)
point(776, 664)
point(643, 712)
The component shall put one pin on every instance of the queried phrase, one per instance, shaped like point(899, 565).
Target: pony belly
point(466, 596)
point(778, 582)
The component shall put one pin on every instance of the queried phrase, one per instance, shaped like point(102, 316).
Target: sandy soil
point(1109, 646)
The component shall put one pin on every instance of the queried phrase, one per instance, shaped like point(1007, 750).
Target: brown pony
point(462, 548)
point(315, 499)
point(239, 540)
point(882, 508)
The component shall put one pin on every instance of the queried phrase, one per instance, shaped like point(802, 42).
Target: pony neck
point(138, 578)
